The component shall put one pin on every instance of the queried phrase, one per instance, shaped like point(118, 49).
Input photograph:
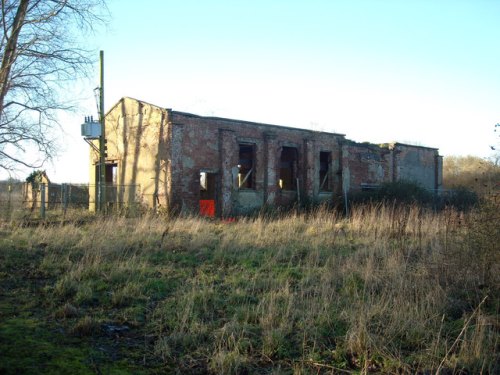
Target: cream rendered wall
point(135, 134)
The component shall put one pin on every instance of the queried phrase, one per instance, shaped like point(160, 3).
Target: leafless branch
point(38, 55)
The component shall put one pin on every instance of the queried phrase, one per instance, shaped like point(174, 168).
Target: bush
point(404, 192)
point(400, 192)
point(408, 193)
point(460, 198)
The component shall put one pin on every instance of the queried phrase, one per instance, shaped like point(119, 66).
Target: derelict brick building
point(186, 162)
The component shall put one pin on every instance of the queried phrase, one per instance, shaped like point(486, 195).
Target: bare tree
point(472, 172)
point(40, 54)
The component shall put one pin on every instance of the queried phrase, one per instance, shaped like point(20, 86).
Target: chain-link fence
point(119, 198)
point(25, 200)
point(11, 199)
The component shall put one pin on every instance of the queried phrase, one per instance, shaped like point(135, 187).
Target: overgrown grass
point(388, 290)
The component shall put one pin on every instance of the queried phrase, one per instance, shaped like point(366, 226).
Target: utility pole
point(102, 142)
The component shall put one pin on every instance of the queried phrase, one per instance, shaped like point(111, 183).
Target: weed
point(67, 311)
point(85, 326)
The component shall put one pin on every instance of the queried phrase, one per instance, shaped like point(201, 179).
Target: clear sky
point(425, 72)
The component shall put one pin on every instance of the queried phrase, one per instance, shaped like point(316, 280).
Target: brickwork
point(167, 152)
point(366, 164)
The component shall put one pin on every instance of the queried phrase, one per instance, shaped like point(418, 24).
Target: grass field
point(387, 290)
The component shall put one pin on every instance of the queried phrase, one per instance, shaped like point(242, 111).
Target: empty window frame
point(288, 168)
point(246, 165)
point(325, 160)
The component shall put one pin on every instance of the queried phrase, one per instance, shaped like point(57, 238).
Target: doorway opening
point(111, 185)
point(208, 193)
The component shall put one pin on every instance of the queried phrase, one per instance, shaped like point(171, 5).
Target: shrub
point(460, 198)
point(400, 192)
point(404, 192)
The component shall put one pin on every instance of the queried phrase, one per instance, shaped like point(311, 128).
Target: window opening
point(288, 168)
point(246, 167)
point(324, 171)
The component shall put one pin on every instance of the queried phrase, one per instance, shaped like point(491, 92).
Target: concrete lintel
point(290, 144)
point(248, 140)
point(209, 170)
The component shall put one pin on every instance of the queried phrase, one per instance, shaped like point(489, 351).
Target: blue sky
point(425, 72)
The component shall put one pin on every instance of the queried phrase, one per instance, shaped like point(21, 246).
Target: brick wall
point(165, 151)
point(213, 144)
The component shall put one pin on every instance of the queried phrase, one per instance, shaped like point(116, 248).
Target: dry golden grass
point(389, 289)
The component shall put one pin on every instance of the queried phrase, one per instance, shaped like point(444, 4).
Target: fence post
point(42, 201)
point(9, 207)
point(64, 193)
point(68, 195)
